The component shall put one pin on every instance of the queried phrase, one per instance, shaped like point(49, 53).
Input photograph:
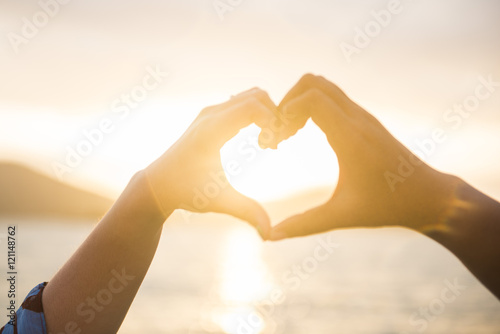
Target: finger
point(309, 81)
point(260, 95)
point(271, 135)
point(247, 209)
point(254, 93)
point(224, 121)
point(270, 126)
point(332, 215)
point(325, 112)
point(228, 122)
point(310, 85)
point(310, 222)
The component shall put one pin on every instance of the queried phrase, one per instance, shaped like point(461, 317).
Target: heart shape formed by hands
point(372, 164)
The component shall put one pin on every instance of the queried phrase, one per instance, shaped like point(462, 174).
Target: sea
point(212, 274)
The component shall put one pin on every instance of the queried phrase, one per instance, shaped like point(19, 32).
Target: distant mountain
point(24, 192)
point(28, 193)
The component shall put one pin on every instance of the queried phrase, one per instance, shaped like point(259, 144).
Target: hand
point(190, 174)
point(381, 183)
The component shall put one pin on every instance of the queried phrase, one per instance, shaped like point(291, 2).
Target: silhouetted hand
point(380, 182)
point(190, 174)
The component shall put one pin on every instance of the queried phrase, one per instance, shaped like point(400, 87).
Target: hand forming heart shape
point(372, 165)
point(380, 183)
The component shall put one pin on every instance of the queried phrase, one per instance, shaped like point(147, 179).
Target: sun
point(302, 162)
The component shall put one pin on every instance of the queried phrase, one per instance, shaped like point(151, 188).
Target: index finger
point(225, 121)
point(309, 81)
point(310, 90)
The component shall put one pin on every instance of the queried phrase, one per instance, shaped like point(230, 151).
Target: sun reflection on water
point(244, 281)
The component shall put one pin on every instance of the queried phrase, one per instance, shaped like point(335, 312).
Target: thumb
point(314, 221)
point(247, 209)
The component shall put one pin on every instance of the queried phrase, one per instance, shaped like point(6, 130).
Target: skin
point(441, 206)
point(126, 239)
point(438, 205)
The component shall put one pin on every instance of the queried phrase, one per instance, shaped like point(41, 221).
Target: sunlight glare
point(244, 281)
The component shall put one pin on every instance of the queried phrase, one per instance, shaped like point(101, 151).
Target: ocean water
point(212, 274)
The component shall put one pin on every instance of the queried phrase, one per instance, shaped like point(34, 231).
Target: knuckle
point(206, 111)
point(256, 91)
point(209, 123)
point(261, 94)
point(253, 100)
point(315, 94)
point(308, 78)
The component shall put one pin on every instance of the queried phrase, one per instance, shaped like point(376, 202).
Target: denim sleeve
point(29, 318)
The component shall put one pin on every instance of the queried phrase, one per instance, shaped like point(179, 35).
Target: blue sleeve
point(29, 318)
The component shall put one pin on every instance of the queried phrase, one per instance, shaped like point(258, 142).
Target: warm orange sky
point(65, 79)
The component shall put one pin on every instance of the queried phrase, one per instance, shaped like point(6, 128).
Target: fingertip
point(248, 210)
point(263, 235)
point(277, 235)
point(263, 144)
point(260, 220)
point(263, 227)
point(267, 139)
point(294, 226)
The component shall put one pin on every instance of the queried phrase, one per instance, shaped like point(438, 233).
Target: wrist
point(468, 214)
point(434, 203)
point(471, 231)
point(143, 198)
point(468, 210)
point(135, 214)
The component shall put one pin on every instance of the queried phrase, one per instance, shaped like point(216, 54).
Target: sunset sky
point(68, 76)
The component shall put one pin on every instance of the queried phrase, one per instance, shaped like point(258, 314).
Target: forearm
point(94, 289)
point(471, 230)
